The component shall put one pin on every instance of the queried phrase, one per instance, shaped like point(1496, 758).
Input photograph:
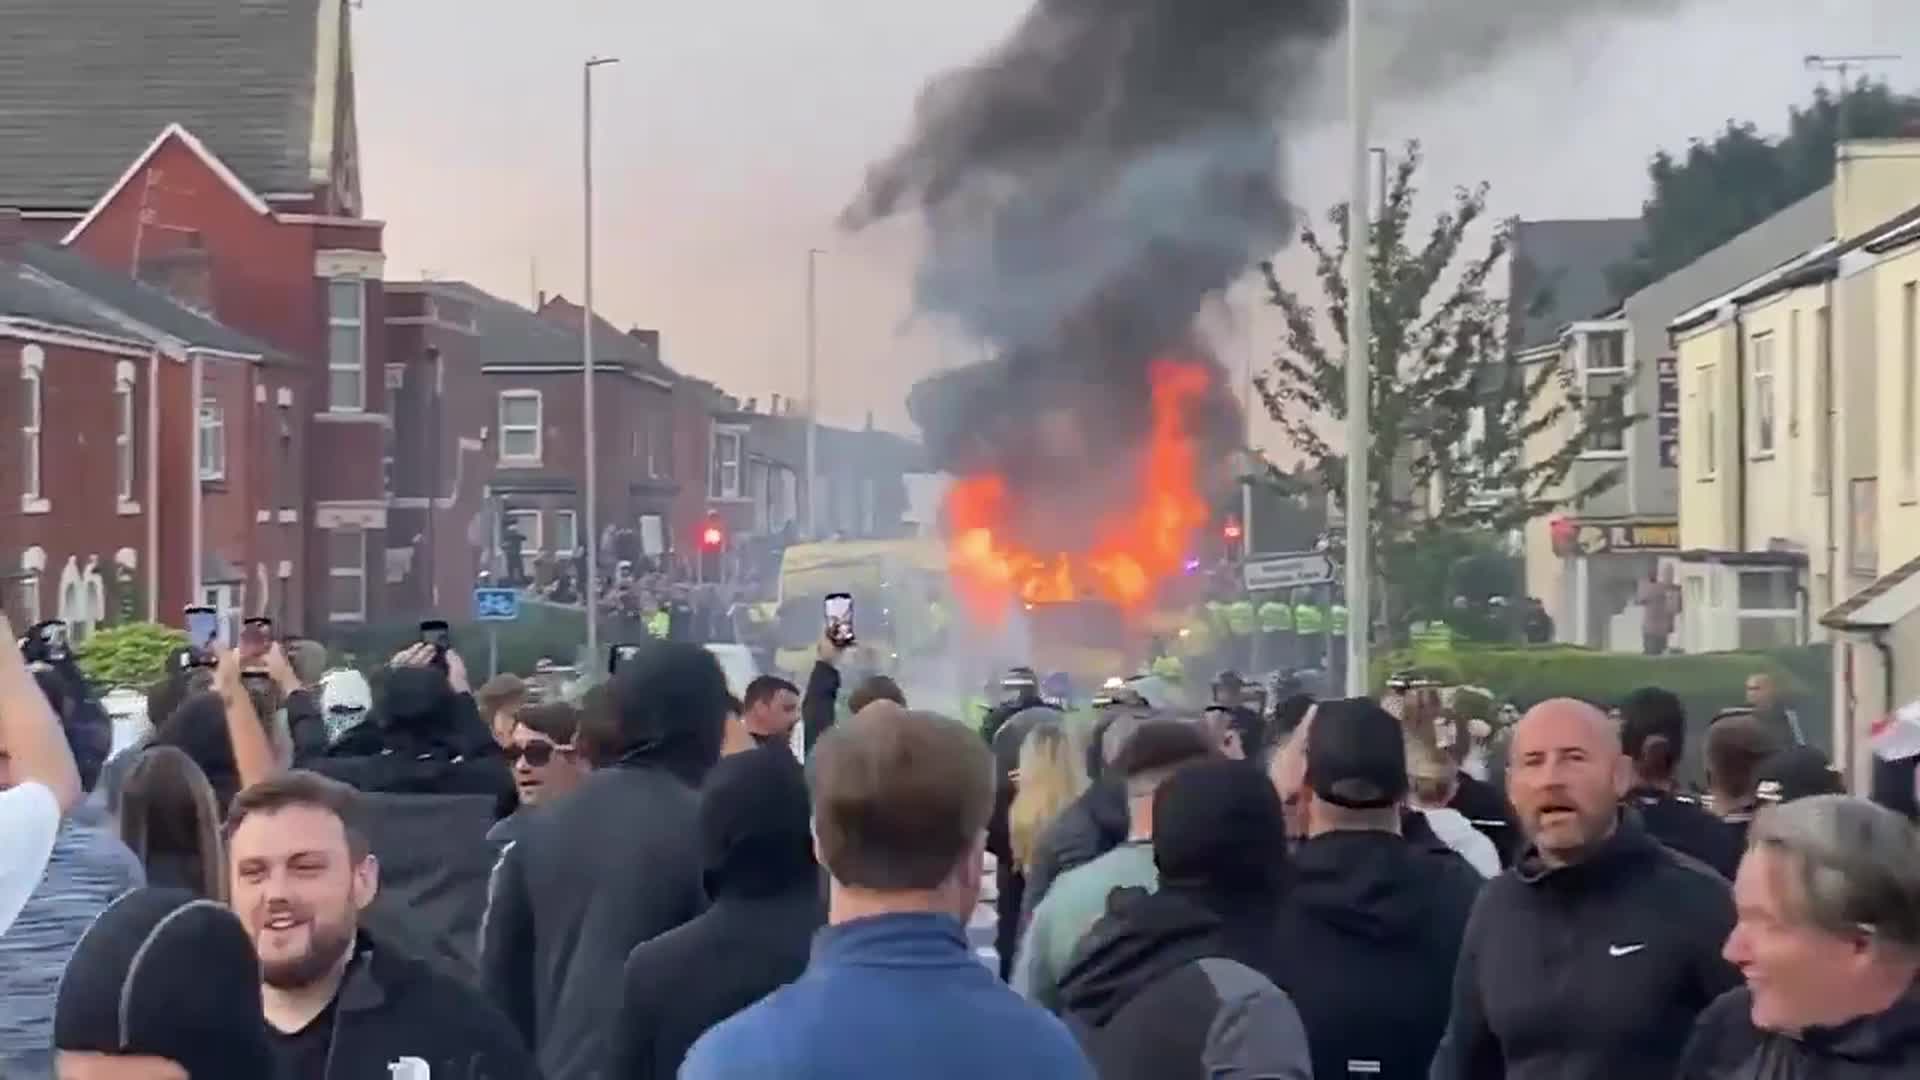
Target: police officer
point(1241, 626)
point(1309, 622)
point(1276, 634)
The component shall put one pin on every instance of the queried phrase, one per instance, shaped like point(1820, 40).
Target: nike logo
point(1625, 950)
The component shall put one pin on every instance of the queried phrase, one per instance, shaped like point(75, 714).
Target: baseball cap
point(1795, 773)
point(1356, 756)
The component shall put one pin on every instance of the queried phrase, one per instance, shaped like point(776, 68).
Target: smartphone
point(256, 635)
point(436, 633)
point(203, 628)
point(839, 608)
point(620, 654)
point(256, 682)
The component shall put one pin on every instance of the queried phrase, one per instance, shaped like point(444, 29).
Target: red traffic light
point(1231, 530)
point(711, 538)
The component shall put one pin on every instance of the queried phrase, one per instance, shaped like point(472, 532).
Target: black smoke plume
point(1085, 188)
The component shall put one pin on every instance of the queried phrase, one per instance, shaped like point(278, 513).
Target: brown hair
point(167, 808)
point(875, 688)
point(899, 798)
point(302, 788)
point(557, 720)
point(1736, 746)
point(506, 691)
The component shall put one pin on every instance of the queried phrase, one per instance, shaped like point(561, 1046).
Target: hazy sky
point(731, 134)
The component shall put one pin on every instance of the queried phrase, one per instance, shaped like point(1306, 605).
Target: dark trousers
point(1012, 887)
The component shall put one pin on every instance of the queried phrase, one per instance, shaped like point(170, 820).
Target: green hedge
point(1705, 682)
point(543, 631)
point(129, 655)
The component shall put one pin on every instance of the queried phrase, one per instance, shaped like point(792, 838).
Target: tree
point(1452, 408)
point(1720, 188)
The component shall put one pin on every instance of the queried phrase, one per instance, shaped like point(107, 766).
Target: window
point(1606, 415)
point(1760, 368)
point(31, 367)
point(1863, 547)
point(1909, 375)
point(346, 345)
point(213, 440)
point(347, 575)
point(1709, 424)
point(524, 522)
point(1793, 375)
point(723, 478)
point(1769, 614)
point(1822, 392)
point(520, 426)
point(1606, 351)
point(653, 459)
point(123, 436)
point(566, 532)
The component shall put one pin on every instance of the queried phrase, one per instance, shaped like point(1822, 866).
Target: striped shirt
point(89, 869)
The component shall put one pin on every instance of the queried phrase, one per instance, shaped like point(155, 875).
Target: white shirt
point(29, 821)
point(1454, 830)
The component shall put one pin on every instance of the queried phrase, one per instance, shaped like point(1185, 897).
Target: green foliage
point(132, 654)
point(1705, 683)
point(544, 631)
point(1724, 186)
point(1451, 408)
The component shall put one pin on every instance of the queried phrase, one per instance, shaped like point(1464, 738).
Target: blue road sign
point(496, 605)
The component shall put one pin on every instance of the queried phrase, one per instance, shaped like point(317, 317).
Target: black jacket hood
point(1372, 885)
point(1143, 937)
point(754, 832)
point(668, 709)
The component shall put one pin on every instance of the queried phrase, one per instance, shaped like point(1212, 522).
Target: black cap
point(1796, 773)
point(1355, 755)
point(164, 973)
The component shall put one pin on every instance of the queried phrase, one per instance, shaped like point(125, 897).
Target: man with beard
point(1592, 956)
point(339, 1003)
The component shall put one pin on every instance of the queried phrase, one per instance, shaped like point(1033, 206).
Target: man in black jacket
point(1371, 927)
point(767, 903)
point(339, 1003)
point(1829, 942)
point(1593, 955)
point(614, 864)
point(1653, 734)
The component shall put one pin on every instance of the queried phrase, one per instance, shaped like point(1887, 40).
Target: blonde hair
point(1051, 777)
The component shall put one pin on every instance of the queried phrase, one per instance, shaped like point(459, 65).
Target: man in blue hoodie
point(900, 806)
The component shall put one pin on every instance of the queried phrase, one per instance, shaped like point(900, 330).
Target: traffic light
point(1231, 531)
point(712, 538)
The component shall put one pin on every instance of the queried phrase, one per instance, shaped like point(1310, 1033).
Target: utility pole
point(590, 594)
point(1359, 361)
point(813, 390)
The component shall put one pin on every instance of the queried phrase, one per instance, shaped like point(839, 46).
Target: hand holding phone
point(203, 631)
point(839, 610)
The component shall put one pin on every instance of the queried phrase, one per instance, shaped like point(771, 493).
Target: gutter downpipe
point(1825, 358)
point(197, 378)
point(153, 484)
point(1879, 639)
point(1740, 428)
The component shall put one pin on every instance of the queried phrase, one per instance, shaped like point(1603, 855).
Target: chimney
point(540, 299)
point(753, 403)
point(869, 419)
point(775, 407)
point(184, 272)
point(13, 232)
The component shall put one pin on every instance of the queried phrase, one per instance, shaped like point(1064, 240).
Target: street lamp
point(813, 389)
point(591, 593)
point(1359, 360)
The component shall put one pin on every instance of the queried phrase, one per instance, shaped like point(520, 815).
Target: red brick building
point(245, 206)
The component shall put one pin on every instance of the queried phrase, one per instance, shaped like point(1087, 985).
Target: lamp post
point(1359, 361)
point(813, 390)
point(591, 594)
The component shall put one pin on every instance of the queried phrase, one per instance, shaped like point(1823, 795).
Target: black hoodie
point(1369, 935)
point(1591, 971)
point(1726, 1045)
point(615, 863)
point(755, 937)
point(1180, 983)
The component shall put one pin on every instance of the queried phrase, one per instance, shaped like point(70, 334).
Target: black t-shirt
point(302, 1055)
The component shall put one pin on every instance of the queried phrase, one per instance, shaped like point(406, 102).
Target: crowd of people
point(663, 880)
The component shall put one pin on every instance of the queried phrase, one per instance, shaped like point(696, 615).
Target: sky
point(730, 135)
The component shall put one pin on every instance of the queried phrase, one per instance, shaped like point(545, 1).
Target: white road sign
point(1289, 571)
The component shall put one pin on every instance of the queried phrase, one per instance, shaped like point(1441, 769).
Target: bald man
point(1592, 956)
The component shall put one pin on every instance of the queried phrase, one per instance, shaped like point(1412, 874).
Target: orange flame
point(1134, 547)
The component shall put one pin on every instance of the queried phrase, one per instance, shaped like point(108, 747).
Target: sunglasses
point(538, 754)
